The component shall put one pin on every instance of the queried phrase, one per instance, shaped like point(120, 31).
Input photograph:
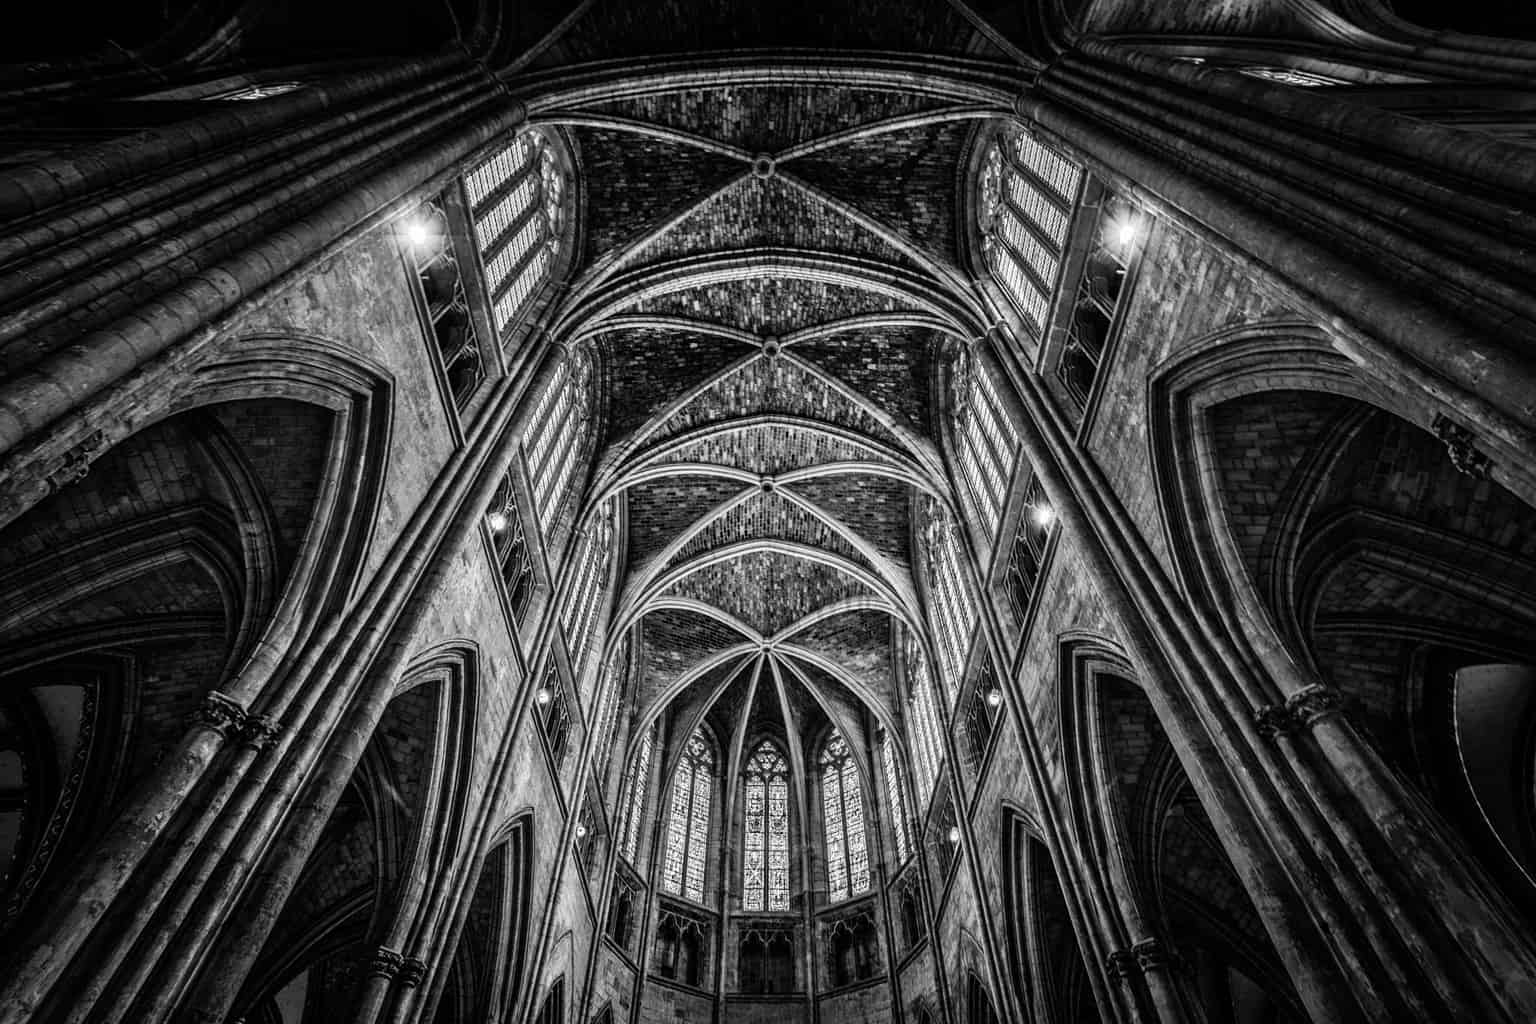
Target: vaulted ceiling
point(775, 277)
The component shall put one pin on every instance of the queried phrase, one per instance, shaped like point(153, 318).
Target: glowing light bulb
point(954, 834)
point(1043, 515)
point(581, 831)
point(418, 231)
point(994, 698)
point(1125, 231)
point(498, 521)
point(543, 696)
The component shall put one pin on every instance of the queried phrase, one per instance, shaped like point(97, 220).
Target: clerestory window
point(688, 821)
point(559, 430)
point(636, 782)
point(895, 795)
point(842, 807)
point(517, 201)
point(987, 441)
point(587, 586)
point(765, 862)
point(925, 728)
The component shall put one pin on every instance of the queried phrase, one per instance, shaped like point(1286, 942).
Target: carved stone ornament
point(76, 462)
point(1150, 955)
point(1460, 445)
point(385, 963)
point(222, 714)
point(1301, 710)
point(259, 731)
point(413, 971)
point(1122, 963)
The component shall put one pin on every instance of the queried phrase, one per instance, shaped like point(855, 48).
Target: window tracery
point(1116, 234)
point(516, 200)
point(559, 428)
point(587, 587)
point(513, 552)
point(688, 821)
point(765, 859)
point(895, 795)
point(952, 605)
point(843, 822)
point(925, 729)
point(637, 780)
point(987, 442)
point(1026, 560)
point(443, 301)
point(1026, 193)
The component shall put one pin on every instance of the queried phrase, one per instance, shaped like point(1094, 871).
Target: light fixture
point(543, 696)
point(419, 231)
point(581, 831)
point(1125, 229)
point(1042, 514)
point(498, 521)
point(954, 834)
point(994, 698)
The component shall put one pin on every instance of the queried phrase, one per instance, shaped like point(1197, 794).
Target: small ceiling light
point(498, 521)
point(954, 834)
point(543, 696)
point(1125, 230)
point(1042, 515)
point(581, 831)
point(994, 698)
point(418, 231)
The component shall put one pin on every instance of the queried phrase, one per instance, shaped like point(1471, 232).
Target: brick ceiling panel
point(772, 449)
point(858, 641)
point(812, 708)
point(661, 509)
point(178, 590)
point(676, 641)
point(633, 182)
point(619, 28)
point(908, 180)
point(767, 517)
point(768, 590)
point(769, 119)
point(770, 306)
point(876, 507)
point(892, 367)
point(690, 701)
point(650, 367)
point(772, 386)
point(767, 212)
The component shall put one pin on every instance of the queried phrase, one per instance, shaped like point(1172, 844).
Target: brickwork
point(771, 306)
point(767, 516)
point(656, 367)
point(659, 509)
point(877, 507)
point(890, 367)
point(768, 590)
point(773, 449)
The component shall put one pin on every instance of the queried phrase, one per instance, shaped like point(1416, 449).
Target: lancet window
point(587, 586)
point(1026, 560)
point(558, 433)
point(925, 730)
point(517, 202)
point(636, 782)
point(952, 606)
point(442, 299)
point(983, 709)
point(610, 688)
point(513, 552)
point(1027, 191)
point(895, 795)
point(688, 821)
point(765, 862)
point(842, 807)
point(554, 714)
point(987, 441)
point(1116, 235)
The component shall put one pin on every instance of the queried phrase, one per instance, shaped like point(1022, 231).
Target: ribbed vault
point(774, 275)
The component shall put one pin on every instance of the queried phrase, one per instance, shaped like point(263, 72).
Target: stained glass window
point(557, 435)
point(895, 795)
point(516, 199)
point(587, 585)
point(637, 781)
point(765, 862)
point(688, 824)
point(925, 729)
point(1026, 194)
point(842, 808)
point(952, 606)
point(987, 442)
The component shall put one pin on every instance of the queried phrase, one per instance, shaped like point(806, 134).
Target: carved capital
point(222, 714)
point(1461, 446)
point(1151, 955)
point(1121, 963)
point(1301, 710)
point(385, 963)
point(259, 731)
point(76, 462)
point(413, 971)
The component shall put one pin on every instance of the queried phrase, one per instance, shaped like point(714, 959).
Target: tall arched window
point(842, 807)
point(987, 442)
point(765, 863)
point(895, 795)
point(637, 780)
point(1027, 191)
point(688, 825)
point(587, 586)
point(952, 606)
point(517, 202)
point(925, 729)
point(558, 433)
